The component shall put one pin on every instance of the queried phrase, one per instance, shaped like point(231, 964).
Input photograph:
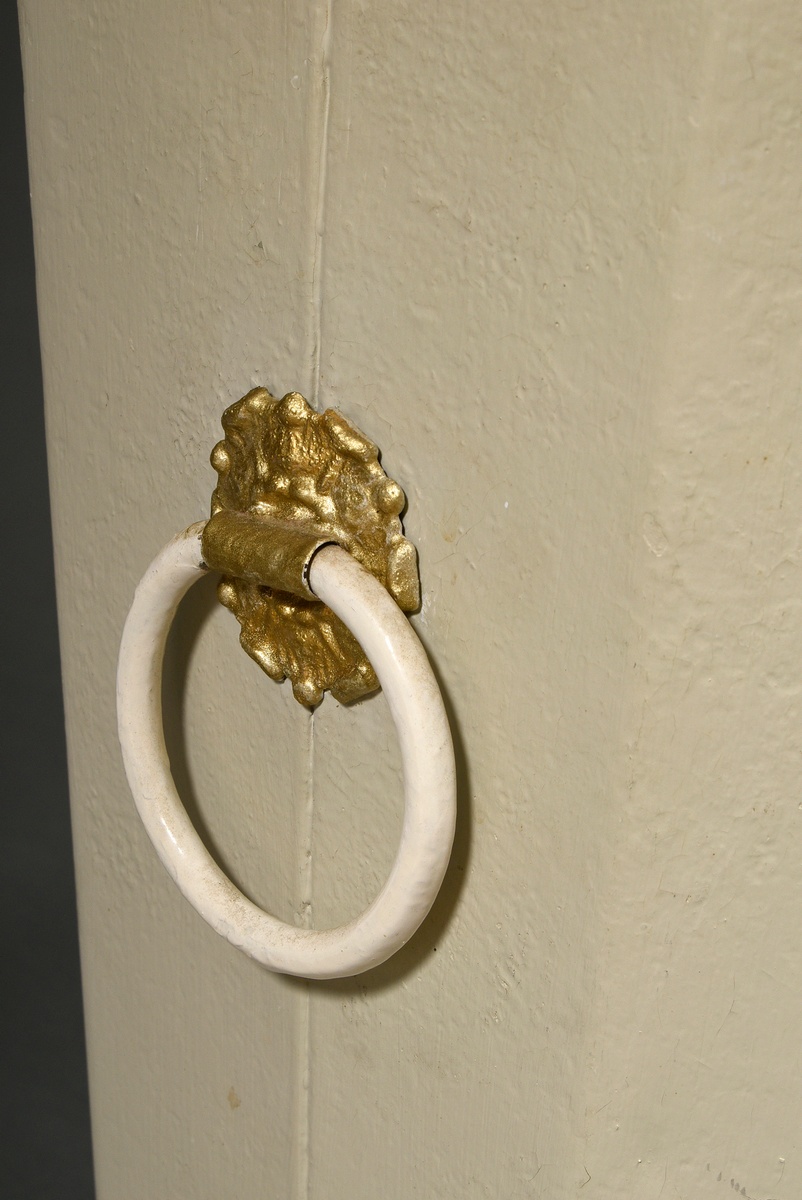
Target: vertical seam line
point(303, 1081)
point(320, 208)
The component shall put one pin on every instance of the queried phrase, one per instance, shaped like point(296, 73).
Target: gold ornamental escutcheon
point(291, 480)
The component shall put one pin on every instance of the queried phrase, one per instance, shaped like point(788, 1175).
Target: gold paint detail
point(263, 550)
point(291, 480)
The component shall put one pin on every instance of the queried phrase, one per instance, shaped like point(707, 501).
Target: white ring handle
point(427, 753)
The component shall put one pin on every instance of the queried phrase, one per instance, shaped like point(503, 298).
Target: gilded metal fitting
point(291, 480)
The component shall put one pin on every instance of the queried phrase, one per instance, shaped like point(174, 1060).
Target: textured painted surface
point(503, 190)
point(548, 258)
point(173, 149)
point(697, 1055)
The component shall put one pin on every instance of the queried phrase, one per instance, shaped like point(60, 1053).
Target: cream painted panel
point(174, 153)
point(696, 1088)
point(555, 253)
point(498, 251)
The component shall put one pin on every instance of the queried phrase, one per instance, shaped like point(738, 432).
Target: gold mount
point(290, 481)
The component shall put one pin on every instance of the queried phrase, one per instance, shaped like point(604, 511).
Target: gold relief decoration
point(289, 481)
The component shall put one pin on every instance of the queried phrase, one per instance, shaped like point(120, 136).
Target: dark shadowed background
point(45, 1119)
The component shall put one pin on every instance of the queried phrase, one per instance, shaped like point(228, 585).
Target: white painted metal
point(414, 698)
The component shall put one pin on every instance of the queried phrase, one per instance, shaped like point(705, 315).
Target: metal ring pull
point(403, 670)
